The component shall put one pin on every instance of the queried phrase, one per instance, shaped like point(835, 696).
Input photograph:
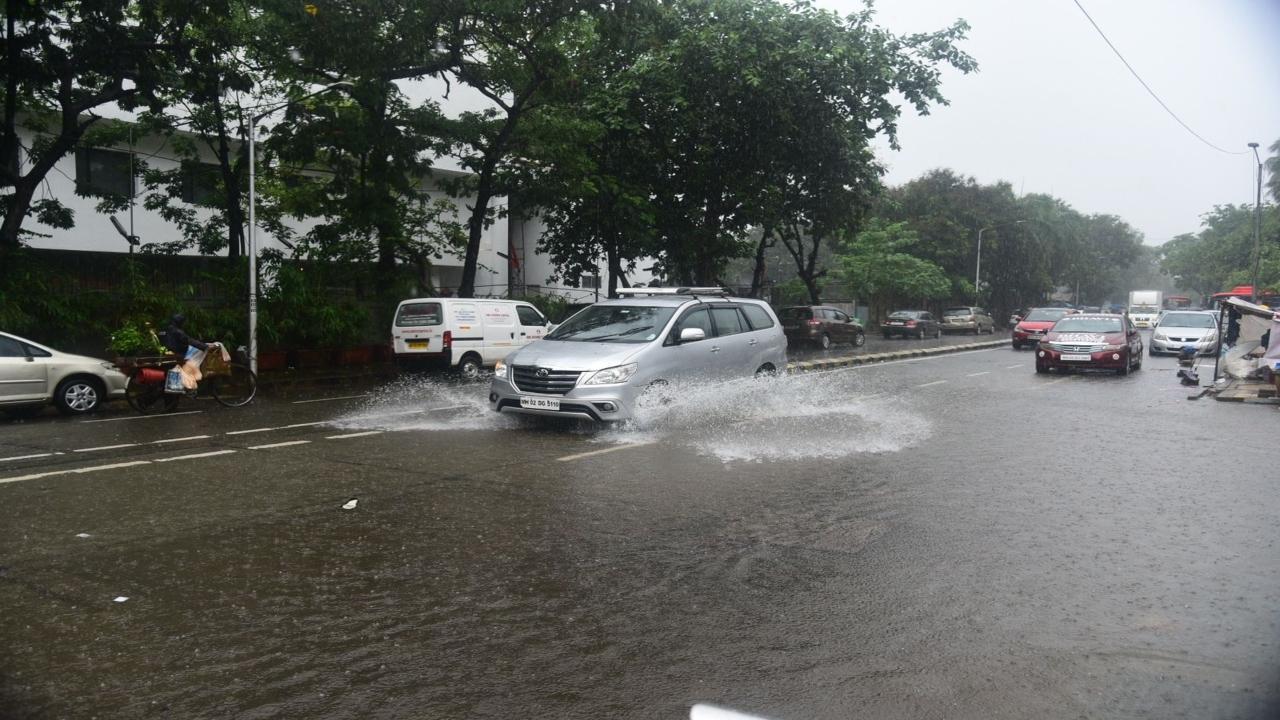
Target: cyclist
point(189, 350)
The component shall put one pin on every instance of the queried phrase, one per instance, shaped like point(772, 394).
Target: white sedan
point(32, 375)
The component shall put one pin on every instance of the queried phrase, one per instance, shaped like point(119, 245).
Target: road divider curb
point(806, 366)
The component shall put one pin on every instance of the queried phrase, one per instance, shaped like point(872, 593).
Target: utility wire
point(1138, 77)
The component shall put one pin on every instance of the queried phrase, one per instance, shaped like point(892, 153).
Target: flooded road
point(945, 537)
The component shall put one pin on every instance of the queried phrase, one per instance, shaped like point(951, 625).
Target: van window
point(419, 314)
point(757, 316)
point(728, 321)
point(529, 316)
point(696, 318)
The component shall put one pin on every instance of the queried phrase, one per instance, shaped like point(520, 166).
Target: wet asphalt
point(947, 537)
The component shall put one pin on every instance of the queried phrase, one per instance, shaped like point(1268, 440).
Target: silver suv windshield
point(614, 323)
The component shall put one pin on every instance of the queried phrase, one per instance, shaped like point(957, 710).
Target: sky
point(1052, 110)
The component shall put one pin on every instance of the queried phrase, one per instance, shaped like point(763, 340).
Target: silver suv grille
point(528, 378)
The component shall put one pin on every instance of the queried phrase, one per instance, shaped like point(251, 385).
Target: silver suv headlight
point(500, 370)
point(613, 376)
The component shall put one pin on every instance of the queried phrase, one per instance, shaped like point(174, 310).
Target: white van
point(462, 333)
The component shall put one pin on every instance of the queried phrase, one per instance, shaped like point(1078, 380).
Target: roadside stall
point(1250, 334)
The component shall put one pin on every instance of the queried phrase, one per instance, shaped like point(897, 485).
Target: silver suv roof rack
point(676, 291)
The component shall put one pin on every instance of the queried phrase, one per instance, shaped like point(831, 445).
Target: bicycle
point(232, 384)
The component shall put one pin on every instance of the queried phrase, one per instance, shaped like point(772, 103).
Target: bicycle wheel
point(148, 397)
point(236, 387)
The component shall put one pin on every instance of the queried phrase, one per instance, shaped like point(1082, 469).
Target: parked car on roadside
point(1091, 342)
point(32, 375)
point(1179, 328)
point(821, 325)
point(918, 324)
point(1031, 328)
point(605, 360)
point(967, 319)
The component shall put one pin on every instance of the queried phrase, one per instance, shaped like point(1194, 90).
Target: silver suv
point(599, 362)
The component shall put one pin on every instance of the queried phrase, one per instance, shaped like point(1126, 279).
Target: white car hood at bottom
point(569, 355)
point(1184, 332)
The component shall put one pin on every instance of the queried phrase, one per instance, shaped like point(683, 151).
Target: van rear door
point(418, 328)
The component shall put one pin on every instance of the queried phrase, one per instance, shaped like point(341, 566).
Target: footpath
point(292, 382)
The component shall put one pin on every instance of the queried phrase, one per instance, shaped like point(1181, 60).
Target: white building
point(509, 262)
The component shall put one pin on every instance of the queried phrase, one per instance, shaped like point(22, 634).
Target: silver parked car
point(1178, 328)
point(598, 363)
point(967, 319)
point(32, 375)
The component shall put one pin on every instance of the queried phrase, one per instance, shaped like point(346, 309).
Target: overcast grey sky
point(1051, 109)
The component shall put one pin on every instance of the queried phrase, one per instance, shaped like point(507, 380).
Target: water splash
point(787, 418)
point(746, 420)
point(427, 404)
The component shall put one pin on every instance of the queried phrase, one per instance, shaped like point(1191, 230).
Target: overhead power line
point(1147, 87)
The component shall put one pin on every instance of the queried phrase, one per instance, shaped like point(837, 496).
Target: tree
point(64, 61)
point(1273, 169)
point(878, 263)
point(375, 143)
point(515, 54)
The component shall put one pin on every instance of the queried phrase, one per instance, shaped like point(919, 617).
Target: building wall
point(532, 274)
point(93, 231)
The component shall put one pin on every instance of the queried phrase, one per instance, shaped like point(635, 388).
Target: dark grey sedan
point(918, 324)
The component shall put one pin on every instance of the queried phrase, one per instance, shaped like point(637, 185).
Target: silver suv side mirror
point(692, 334)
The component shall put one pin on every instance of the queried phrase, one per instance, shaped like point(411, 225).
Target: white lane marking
point(112, 466)
point(353, 435)
point(328, 399)
point(281, 427)
point(105, 447)
point(593, 453)
point(195, 456)
point(183, 439)
point(29, 457)
point(931, 384)
point(79, 471)
point(279, 445)
point(1013, 367)
point(985, 372)
point(1053, 382)
point(145, 417)
point(447, 407)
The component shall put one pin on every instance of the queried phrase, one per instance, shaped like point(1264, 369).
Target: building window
point(590, 282)
point(104, 172)
point(200, 185)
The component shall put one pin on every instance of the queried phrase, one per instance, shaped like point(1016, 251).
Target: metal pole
point(1257, 225)
point(977, 273)
point(253, 252)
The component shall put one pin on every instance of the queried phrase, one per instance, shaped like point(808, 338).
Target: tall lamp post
point(253, 225)
point(1257, 225)
point(977, 272)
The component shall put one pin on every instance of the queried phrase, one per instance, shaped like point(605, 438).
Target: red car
point(1031, 329)
point(1097, 342)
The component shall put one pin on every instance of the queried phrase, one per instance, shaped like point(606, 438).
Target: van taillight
point(448, 339)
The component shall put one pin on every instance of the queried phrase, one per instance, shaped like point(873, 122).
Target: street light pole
point(253, 225)
point(1257, 225)
point(977, 272)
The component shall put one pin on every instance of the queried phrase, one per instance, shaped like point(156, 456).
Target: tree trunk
point(231, 181)
point(757, 275)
